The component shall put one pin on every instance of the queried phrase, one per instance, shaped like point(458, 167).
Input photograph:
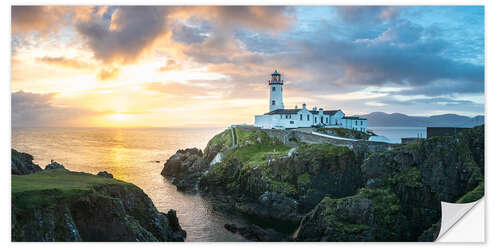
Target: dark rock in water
point(22, 163)
point(185, 168)
point(256, 233)
point(110, 210)
point(403, 191)
point(105, 174)
point(54, 165)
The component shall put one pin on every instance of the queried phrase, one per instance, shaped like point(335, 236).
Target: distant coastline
point(381, 119)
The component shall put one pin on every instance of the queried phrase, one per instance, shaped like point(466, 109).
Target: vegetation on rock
point(403, 190)
point(60, 205)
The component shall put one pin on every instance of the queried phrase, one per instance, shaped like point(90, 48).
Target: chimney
point(314, 109)
point(303, 106)
point(296, 107)
point(320, 111)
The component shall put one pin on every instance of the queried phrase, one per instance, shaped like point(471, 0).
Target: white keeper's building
point(280, 118)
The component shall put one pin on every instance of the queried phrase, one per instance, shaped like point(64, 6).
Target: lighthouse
point(275, 92)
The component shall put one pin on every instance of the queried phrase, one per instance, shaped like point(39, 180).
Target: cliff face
point(22, 163)
point(401, 197)
point(60, 205)
point(264, 178)
point(338, 194)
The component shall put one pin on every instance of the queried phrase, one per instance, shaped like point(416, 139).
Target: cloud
point(170, 65)
point(46, 18)
point(124, 36)
point(37, 110)
point(41, 18)
point(367, 14)
point(260, 18)
point(109, 73)
point(65, 62)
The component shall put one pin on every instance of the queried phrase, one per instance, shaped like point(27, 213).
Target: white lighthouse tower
point(275, 92)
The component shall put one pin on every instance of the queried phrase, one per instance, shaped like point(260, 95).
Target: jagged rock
point(256, 233)
point(22, 163)
point(184, 168)
point(54, 165)
point(110, 210)
point(402, 194)
point(105, 174)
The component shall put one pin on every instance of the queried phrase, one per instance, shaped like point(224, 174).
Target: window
point(273, 102)
point(315, 119)
point(274, 88)
point(301, 117)
point(281, 116)
point(308, 117)
point(327, 120)
point(291, 122)
point(355, 122)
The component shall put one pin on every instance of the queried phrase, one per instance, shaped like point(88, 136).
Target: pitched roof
point(353, 118)
point(330, 112)
point(283, 112)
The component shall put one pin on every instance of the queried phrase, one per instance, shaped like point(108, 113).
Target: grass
point(52, 186)
point(224, 138)
point(254, 155)
point(473, 195)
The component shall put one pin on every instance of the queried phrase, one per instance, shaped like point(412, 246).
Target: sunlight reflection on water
point(132, 155)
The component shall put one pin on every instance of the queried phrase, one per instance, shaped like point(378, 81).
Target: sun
point(119, 117)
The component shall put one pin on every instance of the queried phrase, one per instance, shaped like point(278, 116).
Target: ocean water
point(136, 156)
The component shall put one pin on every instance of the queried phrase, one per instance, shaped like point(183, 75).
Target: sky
point(174, 66)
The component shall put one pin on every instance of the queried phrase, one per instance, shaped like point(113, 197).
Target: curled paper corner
point(451, 213)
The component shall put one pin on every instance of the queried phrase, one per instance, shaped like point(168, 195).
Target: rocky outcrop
point(72, 206)
point(54, 165)
point(22, 163)
point(401, 198)
point(262, 178)
point(105, 174)
point(185, 168)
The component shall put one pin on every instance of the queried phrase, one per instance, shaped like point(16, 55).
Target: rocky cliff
point(22, 163)
point(336, 194)
point(400, 200)
point(60, 205)
point(263, 178)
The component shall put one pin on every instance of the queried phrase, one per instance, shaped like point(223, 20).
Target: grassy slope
point(52, 186)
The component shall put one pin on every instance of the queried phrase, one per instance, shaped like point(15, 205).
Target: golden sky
point(207, 66)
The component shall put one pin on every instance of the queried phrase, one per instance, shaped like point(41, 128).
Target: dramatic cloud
point(65, 62)
point(252, 17)
point(169, 58)
point(37, 110)
point(46, 18)
point(124, 36)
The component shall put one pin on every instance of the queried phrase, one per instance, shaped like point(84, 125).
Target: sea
point(137, 155)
